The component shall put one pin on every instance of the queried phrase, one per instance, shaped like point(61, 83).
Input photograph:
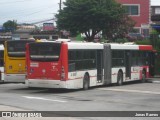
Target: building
point(48, 35)
point(48, 27)
point(23, 31)
point(155, 17)
point(21, 34)
point(139, 11)
point(5, 36)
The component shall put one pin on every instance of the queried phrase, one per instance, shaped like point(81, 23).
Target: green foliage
point(143, 42)
point(92, 16)
point(155, 40)
point(154, 32)
point(154, 43)
point(79, 37)
point(104, 40)
point(10, 25)
point(121, 40)
point(157, 45)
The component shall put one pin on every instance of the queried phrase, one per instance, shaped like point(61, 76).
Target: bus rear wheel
point(120, 79)
point(86, 82)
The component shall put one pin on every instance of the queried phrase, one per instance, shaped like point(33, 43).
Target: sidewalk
point(8, 108)
point(155, 79)
point(157, 76)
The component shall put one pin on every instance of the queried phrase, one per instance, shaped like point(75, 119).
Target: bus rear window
point(44, 52)
point(17, 48)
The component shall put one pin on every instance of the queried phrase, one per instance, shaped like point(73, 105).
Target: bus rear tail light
point(62, 73)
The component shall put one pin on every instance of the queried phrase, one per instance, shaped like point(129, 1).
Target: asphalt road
point(133, 96)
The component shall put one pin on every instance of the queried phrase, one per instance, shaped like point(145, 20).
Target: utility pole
point(60, 8)
point(60, 5)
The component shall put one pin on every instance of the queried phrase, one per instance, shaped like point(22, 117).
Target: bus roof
point(131, 47)
point(91, 45)
point(63, 40)
point(78, 45)
point(15, 41)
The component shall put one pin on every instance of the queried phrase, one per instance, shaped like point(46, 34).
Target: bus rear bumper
point(69, 84)
point(14, 78)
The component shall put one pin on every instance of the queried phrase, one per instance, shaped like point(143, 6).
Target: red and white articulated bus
point(82, 65)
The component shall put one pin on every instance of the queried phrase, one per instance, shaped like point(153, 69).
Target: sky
point(30, 11)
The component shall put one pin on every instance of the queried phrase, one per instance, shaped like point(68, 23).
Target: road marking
point(40, 98)
point(131, 91)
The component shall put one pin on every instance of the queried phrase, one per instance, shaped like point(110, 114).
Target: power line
point(43, 21)
point(24, 14)
point(19, 14)
point(39, 21)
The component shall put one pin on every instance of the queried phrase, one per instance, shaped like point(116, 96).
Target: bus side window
point(71, 60)
point(72, 67)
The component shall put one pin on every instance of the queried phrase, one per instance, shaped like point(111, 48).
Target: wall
point(144, 16)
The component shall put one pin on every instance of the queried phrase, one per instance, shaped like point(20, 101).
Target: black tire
point(120, 79)
point(143, 76)
point(86, 82)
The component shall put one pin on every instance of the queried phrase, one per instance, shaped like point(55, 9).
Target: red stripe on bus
point(145, 47)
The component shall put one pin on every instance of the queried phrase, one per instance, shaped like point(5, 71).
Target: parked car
point(134, 36)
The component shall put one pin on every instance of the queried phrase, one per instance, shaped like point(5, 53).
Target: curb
point(153, 81)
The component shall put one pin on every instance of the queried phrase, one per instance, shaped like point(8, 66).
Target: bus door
point(128, 64)
point(99, 66)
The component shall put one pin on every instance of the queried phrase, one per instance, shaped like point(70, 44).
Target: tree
point(10, 25)
point(120, 28)
point(91, 17)
point(154, 38)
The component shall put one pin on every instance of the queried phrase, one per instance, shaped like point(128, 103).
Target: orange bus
point(14, 60)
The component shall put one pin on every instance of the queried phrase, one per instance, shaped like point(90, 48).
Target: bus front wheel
point(86, 82)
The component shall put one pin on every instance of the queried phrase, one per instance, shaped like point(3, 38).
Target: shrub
point(143, 42)
point(121, 40)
